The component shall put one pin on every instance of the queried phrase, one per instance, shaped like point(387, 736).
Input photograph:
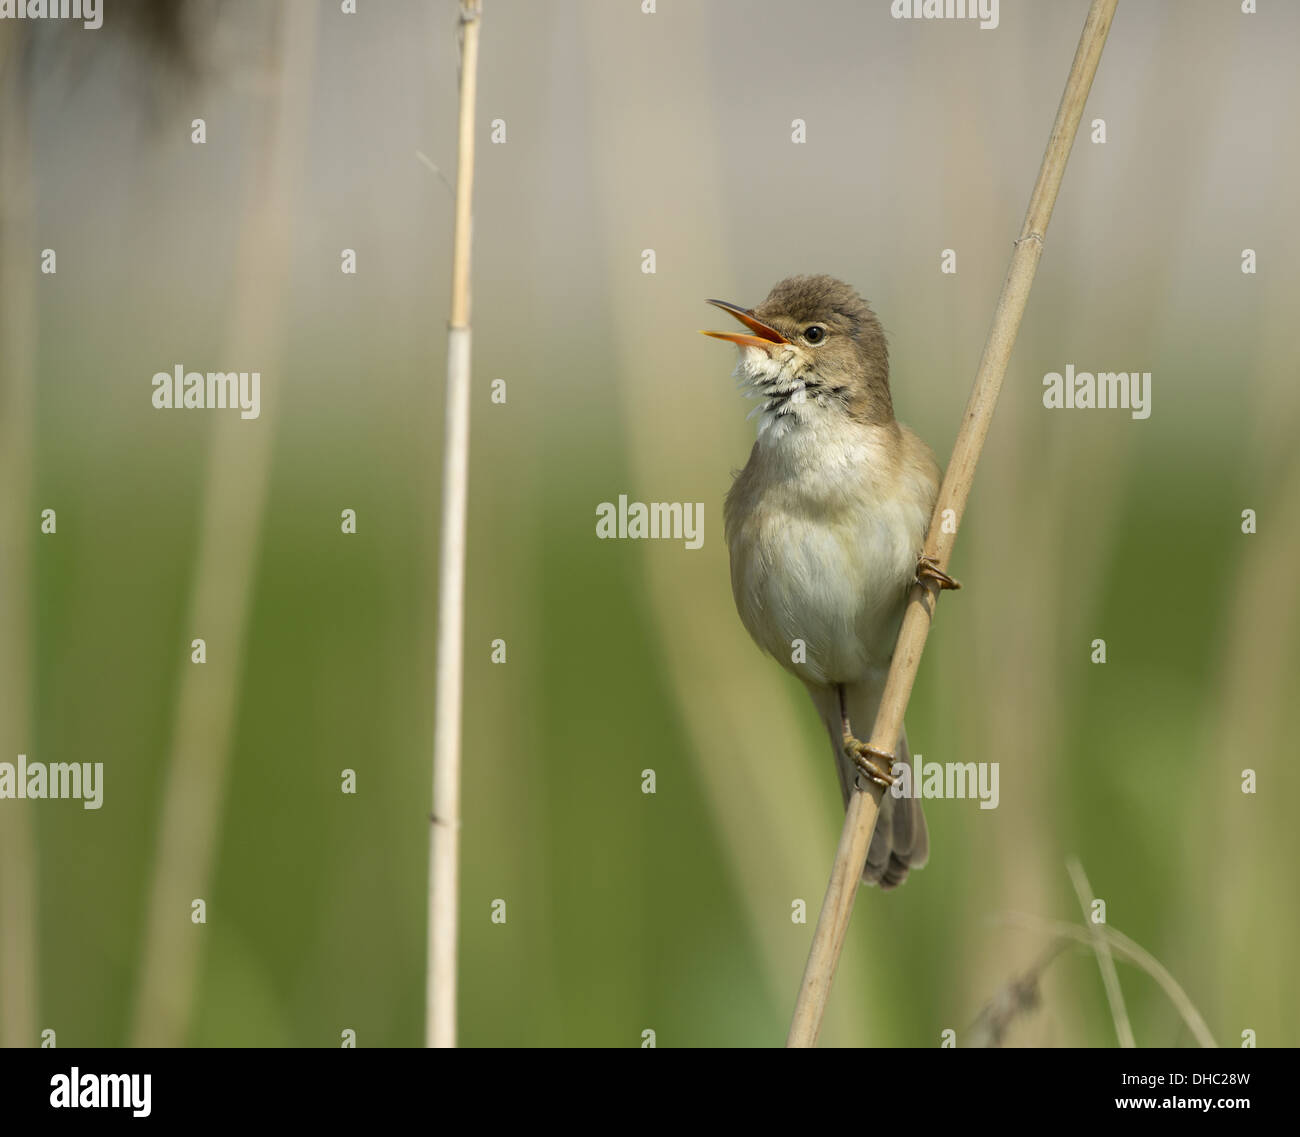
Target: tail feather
point(901, 841)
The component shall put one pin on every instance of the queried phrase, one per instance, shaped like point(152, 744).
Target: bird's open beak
point(763, 336)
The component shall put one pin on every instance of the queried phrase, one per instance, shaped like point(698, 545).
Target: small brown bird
point(826, 523)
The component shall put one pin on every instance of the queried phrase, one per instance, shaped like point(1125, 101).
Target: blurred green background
point(627, 131)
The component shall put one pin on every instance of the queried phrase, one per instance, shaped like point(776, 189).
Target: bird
point(825, 528)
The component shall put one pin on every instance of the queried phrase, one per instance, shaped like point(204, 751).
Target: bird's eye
point(814, 334)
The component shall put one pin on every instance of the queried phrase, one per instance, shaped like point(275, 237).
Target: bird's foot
point(876, 764)
point(927, 568)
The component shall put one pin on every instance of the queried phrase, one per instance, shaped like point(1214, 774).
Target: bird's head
point(813, 348)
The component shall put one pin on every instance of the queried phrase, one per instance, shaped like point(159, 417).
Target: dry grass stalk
point(1017, 998)
point(444, 842)
point(860, 820)
point(1134, 953)
point(1101, 948)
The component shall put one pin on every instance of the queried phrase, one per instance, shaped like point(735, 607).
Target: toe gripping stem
point(927, 568)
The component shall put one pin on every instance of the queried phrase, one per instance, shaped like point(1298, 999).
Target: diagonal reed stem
point(444, 841)
point(860, 820)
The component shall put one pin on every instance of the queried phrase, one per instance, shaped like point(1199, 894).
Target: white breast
point(824, 547)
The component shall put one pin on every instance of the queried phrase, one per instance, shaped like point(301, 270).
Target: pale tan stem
point(1105, 961)
point(444, 841)
point(860, 819)
point(19, 885)
point(233, 508)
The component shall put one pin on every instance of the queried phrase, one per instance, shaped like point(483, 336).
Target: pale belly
point(825, 598)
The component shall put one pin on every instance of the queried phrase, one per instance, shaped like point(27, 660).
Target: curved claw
point(876, 764)
point(927, 568)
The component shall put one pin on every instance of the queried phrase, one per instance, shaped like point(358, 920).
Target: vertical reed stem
point(19, 886)
point(444, 844)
